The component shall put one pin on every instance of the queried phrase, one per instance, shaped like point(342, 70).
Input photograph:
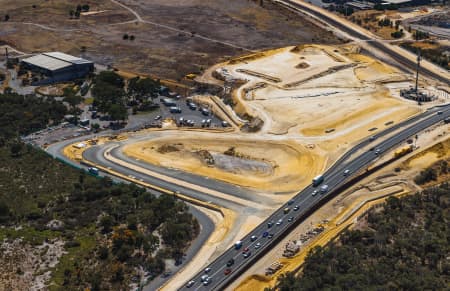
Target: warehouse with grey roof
point(57, 67)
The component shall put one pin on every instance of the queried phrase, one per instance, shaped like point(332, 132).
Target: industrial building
point(57, 67)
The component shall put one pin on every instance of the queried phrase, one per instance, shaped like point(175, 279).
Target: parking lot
point(195, 115)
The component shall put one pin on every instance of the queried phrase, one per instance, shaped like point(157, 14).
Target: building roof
point(67, 58)
point(47, 62)
point(54, 60)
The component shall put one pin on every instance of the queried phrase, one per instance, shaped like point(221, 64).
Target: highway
point(306, 203)
point(377, 44)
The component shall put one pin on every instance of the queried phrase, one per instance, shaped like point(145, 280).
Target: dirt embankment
point(241, 162)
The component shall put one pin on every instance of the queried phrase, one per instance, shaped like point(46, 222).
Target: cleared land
point(324, 92)
point(172, 38)
point(270, 166)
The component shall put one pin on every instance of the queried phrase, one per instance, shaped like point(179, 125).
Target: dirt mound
point(206, 157)
point(302, 65)
point(169, 148)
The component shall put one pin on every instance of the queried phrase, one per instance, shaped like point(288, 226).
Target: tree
point(131, 37)
point(106, 223)
point(6, 17)
point(125, 36)
point(118, 112)
point(16, 148)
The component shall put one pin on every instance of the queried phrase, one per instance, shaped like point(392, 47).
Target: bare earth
point(172, 38)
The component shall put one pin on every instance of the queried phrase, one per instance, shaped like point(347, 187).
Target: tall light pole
point(417, 71)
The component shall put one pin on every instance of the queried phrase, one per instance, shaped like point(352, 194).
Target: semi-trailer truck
point(317, 180)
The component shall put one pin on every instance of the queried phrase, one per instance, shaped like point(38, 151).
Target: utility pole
point(417, 76)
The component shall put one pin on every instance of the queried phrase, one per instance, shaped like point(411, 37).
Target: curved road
point(334, 178)
point(206, 224)
point(375, 43)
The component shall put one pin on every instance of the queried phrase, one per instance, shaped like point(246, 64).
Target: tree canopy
point(404, 247)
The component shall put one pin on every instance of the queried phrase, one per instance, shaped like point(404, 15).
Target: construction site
point(312, 103)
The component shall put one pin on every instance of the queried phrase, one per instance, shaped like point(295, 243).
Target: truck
point(403, 151)
point(238, 244)
point(317, 180)
point(93, 171)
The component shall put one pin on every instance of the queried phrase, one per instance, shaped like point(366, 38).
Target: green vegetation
point(404, 247)
point(435, 54)
point(108, 229)
point(432, 173)
point(110, 96)
point(21, 115)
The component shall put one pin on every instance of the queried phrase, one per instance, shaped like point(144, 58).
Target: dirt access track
point(319, 91)
point(316, 102)
point(172, 37)
point(265, 165)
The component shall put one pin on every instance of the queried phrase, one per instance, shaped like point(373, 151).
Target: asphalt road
point(385, 48)
point(305, 201)
point(206, 224)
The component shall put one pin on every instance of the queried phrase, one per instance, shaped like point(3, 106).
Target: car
point(270, 235)
point(439, 112)
point(245, 250)
point(158, 117)
point(280, 221)
point(346, 172)
point(372, 138)
point(227, 271)
point(207, 270)
point(190, 284)
point(270, 224)
point(247, 254)
point(324, 189)
point(204, 278)
point(230, 262)
point(225, 124)
point(253, 237)
point(290, 219)
point(377, 151)
point(314, 193)
point(257, 246)
point(290, 202)
point(207, 281)
point(265, 234)
point(296, 208)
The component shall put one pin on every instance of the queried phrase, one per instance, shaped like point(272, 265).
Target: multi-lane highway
point(386, 48)
point(233, 261)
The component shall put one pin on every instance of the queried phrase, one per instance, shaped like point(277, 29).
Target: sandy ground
point(433, 145)
point(337, 91)
point(281, 171)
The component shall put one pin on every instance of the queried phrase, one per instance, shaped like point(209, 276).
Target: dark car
point(247, 254)
point(270, 235)
point(227, 271)
point(265, 234)
point(230, 263)
point(270, 224)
